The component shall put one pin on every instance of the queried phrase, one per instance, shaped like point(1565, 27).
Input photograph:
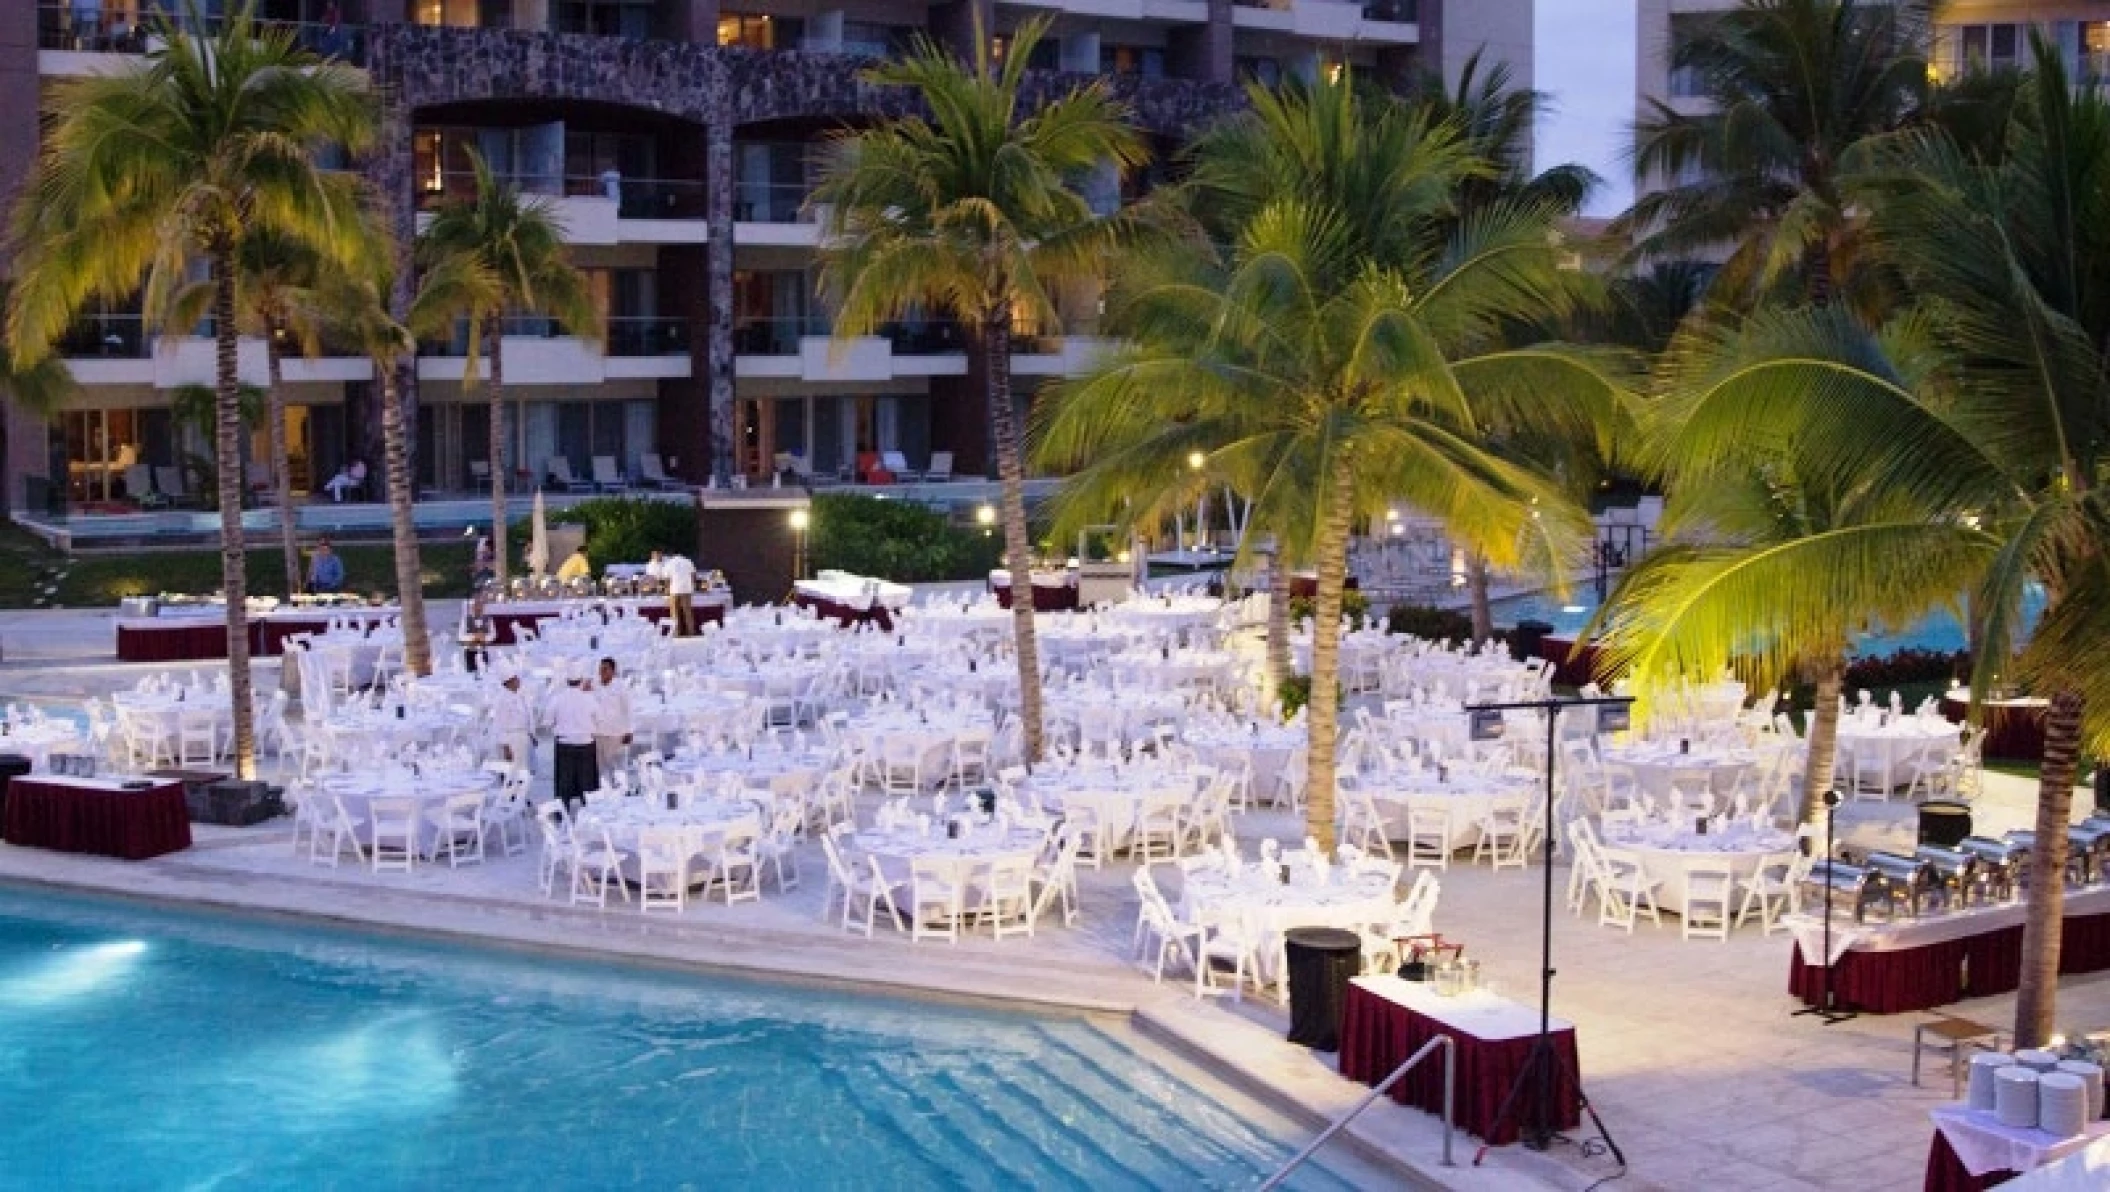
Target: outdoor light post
point(800, 519)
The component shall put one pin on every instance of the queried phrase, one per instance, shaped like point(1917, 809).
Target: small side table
point(1953, 1035)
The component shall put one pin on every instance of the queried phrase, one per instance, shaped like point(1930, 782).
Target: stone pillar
point(1203, 51)
point(19, 102)
point(718, 260)
point(684, 403)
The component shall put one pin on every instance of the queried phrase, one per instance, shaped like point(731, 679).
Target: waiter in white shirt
point(681, 593)
point(570, 716)
point(611, 719)
point(513, 724)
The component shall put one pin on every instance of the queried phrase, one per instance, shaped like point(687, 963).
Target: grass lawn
point(28, 567)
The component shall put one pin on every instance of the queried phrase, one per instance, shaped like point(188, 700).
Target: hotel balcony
point(775, 215)
point(802, 348)
point(539, 352)
point(117, 349)
point(609, 209)
point(75, 38)
point(1382, 22)
point(1174, 12)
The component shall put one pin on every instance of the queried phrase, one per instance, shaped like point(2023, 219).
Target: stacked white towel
point(2015, 1097)
point(1984, 1066)
point(2062, 1104)
point(2092, 1076)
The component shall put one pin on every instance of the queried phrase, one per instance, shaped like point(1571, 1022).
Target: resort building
point(676, 140)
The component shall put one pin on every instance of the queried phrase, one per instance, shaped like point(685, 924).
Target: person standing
point(681, 593)
point(570, 717)
point(483, 566)
point(575, 567)
point(611, 719)
point(325, 570)
point(513, 724)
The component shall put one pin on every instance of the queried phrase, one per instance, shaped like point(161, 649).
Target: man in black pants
point(570, 716)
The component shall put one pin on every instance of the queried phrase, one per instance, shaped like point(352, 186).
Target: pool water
point(1938, 631)
point(149, 1049)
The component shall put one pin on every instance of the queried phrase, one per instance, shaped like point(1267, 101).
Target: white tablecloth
point(1983, 1145)
point(1933, 929)
point(1669, 857)
point(1485, 1016)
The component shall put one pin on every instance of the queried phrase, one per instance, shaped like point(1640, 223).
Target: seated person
point(325, 570)
point(352, 477)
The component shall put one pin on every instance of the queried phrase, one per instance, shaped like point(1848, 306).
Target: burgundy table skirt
point(1047, 598)
point(69, 818)
point(179, 640)
point(1377, 1035)
point(1575, 669)
point(1921, 978)
point(1306, 587)
point(503, 623)
point(2013, 732)
point(1946, 1172)
point(845, 615)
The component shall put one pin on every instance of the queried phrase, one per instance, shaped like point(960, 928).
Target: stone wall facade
point(715, 92)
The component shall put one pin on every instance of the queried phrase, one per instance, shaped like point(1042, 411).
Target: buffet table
point(1572, 666)
point(1387, 1019)
point(507, 616)
point(2014, 728)
point(96, 815)
point(1918, 964)
point(852, 599)
point(200, 635)
point(1970, 1153)
point(1053, 591)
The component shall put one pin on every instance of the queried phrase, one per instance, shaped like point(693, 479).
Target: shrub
point(897, 540)
point(1433, 624)
point(1354, 605)
point(1294, 692)
point(1906, 666)
point(629, 529)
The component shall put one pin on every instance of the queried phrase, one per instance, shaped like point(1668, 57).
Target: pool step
point(912, 1091)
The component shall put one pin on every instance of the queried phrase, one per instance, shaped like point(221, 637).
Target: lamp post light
point(800, 519)
point(985, 517)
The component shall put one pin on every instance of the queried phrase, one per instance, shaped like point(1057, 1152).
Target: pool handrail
point(1450, 1066)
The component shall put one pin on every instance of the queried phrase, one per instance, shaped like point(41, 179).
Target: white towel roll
point(2062, 1104)
point(1984, 1065)
point(2038, 1061)
point(2015, 1097)
point(2092, 1076)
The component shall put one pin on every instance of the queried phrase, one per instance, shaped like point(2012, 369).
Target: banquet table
point(1917, 964)
point(1133, 713)
point(626, 820)
point(978, 847)
point(1668, 854)
point(851, 599)
point(2014, 728)
point(1114, 794)
point(1659, 766)
point(1973, 1151)
point(1387, 1019)
point(97, 815)
point(38, 740)
point(1053, 591)
point(429, 790)
point(1468, 797)
point(1256, 892)
point(1267, 747)
point(171, 639)
point(1180, 615)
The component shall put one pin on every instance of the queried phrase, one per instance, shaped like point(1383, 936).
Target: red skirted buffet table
point(1386, 1019)
point(1053, 591)
point(1973, 1151)
point(2014, 728)
point(1917, 964)
point(97, 815)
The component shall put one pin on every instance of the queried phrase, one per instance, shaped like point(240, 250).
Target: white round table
point(1668, 853)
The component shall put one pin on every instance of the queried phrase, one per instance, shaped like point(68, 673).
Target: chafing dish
point(1999, 866)
point(1904, 881)
point(1850, 887)
point(1954, 876)
point(2088, 849)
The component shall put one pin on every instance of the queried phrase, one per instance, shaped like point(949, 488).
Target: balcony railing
point(771, 202)
point(638, 336)
point(774, 335)
point(107, 337)
point(84, 28)
point(1406, 12)
point(929, 337)
point(636, 198)
point(511, 327)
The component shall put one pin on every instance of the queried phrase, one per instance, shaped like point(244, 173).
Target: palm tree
point(519, 241)
point(176, 158)
point(1769, 562)
point(1800, 91)
point(37, 389)
point(1341, 352)
point(2012, 258)
point(970, 212)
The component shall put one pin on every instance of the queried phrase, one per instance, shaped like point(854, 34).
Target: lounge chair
point(606, 478)
point(940, 469)
point(650, 474)
point(139, 485)
point(169, 482)
point(897, 463)
point(558, 474)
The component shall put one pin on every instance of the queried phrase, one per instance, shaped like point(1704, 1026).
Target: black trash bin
point(1525, 638)
point(1944, 822)
point(12, 766)
point(1321, 960)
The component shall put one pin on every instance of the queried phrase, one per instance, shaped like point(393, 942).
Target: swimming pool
point(142, 1048)
point(1937, 631)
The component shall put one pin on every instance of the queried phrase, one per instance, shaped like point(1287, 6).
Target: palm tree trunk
point(234, 579)
point(281, 481)
point(500, 540)
point(1476, 587)
point(1821, 739)
point(1278, 629)
point(2036, 1000)
point(1324, 718)
point(410, 583)
point(1018, 542)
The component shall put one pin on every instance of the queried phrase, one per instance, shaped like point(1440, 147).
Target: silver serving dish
point(1999, 867)
point(1850, 887)
point(2088, 850)
point(1904, 882)
point(1954, 876)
